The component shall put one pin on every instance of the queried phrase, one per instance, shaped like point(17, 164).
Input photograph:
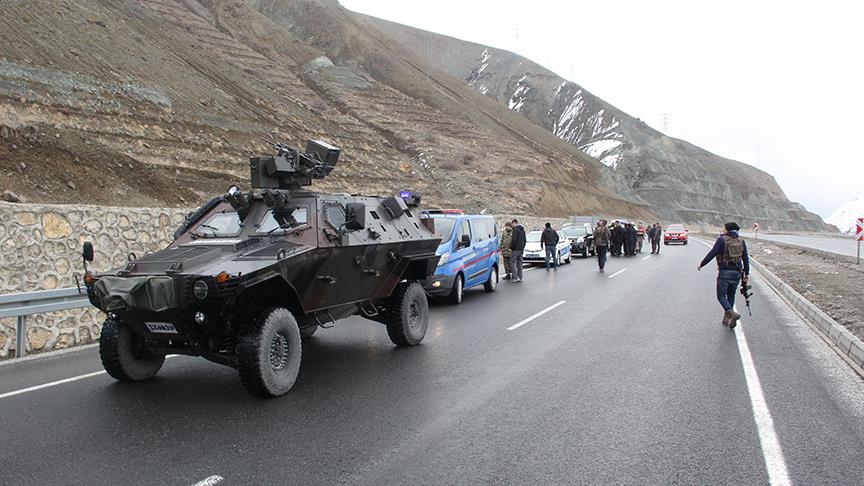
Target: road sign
point(860, 235)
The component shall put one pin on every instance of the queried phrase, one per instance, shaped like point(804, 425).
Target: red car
point(675, 233)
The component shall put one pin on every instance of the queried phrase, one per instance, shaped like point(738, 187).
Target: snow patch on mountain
point(846, 215)
point(604, 150)
point(519, 94)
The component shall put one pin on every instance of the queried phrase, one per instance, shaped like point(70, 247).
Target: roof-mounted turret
point(290, 168)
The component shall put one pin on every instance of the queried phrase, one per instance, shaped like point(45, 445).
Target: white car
point(535, 254)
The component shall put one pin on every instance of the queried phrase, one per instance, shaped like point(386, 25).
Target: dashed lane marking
point(647, 257)
point(619, 272)
point(775, 463)
point(535, 316)
point(58, 382)
point(210, 481)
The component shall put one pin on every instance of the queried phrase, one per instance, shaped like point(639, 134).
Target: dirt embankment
point(834, 285)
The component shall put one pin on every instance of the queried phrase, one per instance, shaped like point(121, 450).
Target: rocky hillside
point(680, 181)
point(155, 102)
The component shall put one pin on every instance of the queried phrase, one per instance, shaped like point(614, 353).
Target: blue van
point(468, 250)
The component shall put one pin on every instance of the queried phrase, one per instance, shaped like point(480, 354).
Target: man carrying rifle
point(730, 250)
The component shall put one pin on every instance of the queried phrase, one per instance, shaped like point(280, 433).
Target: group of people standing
point(625, 238)
point(511, 247)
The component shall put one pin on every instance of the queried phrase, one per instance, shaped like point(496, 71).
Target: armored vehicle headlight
point(200, 290)
point(443, 260)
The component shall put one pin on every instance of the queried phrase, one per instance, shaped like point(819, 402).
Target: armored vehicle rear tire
point(269, 352)
point(407, 314)
point(124, 355)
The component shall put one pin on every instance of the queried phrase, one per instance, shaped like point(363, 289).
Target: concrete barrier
point(846, 343)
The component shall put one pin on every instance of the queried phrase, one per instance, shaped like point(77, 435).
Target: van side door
point(465, 252)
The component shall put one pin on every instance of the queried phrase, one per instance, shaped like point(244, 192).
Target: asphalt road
point(631, 380)
point(839, 245)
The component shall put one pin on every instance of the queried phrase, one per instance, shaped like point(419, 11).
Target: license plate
point(161, 327)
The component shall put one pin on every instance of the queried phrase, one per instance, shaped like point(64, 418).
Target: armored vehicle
point(250, 274)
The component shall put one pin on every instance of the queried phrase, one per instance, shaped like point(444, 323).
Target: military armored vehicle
point(251, 273)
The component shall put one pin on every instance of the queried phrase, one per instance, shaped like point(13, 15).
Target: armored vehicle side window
point(222, 224)
point(298, 218)
point(444, 227)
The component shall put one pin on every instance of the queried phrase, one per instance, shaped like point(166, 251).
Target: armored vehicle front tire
point(269, 352)
point(126, 356)
point(407, 314)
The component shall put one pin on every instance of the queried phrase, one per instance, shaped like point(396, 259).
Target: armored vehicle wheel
point(492, 283)
point(455, 296)
point(407, 314)
point(307, 332)
point(268, 353)
point(125, 355)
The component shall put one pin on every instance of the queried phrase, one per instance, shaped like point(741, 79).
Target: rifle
point(747, 292)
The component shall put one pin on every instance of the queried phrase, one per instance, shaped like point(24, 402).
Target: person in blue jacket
point(733, 265)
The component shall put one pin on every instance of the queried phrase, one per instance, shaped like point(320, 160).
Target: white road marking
point(706, 244)
point(53, 383)
point(59, 382)
point(619, 272)
point(210, 481)
point(647, 257)
point(535, 316)
point(771, 450)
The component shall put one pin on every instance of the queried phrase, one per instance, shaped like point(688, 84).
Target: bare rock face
point(10, 196)
point(682, 182)
point(167, 110)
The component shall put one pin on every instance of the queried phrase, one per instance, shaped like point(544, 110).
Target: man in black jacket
point(630, 237)
point(733, 266)
point(517, 246)
point(549, 241)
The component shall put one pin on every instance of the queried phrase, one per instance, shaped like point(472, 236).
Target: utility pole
point(666, 120)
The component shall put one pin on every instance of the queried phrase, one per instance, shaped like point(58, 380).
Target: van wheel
point(407, 314)
point(492, 283)
point(455, 296)
point(124, 355)
point(269, 352)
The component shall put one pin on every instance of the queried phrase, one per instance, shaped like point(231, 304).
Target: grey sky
point(776, 84)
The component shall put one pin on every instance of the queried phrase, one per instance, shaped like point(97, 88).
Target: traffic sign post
point(859, 235)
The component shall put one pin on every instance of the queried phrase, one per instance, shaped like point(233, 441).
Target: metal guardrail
point(28, 303)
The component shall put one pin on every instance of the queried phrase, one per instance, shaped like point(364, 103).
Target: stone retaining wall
point(40, 249)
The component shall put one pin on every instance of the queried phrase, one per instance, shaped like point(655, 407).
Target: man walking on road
point(654, 235)
point(504, 248)
point(549, 241)
point(732, 259)
point(601, 243)
point(517, 246)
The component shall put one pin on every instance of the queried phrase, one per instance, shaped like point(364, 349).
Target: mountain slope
point(163, 101)
point(680, 180)
point(846, 216)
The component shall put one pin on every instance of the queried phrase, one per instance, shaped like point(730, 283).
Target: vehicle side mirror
point(87, 252)
point(355, 216)
point(465, 241)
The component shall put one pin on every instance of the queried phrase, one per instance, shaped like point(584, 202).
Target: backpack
point(733, 251)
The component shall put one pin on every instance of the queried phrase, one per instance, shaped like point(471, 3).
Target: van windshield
point(443, 227)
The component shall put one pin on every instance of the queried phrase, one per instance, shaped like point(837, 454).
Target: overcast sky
point(776, 84)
